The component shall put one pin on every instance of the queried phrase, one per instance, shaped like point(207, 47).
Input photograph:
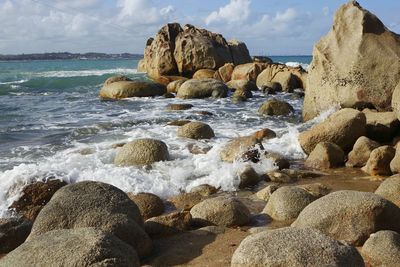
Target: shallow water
point(52, 124)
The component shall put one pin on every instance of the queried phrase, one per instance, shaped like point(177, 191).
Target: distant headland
point(67, 55)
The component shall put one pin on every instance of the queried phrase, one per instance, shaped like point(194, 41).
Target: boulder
point(114, 79)
point(202, 88)
point(279, 177)
point(271, 88)
point(204, 190)
point(325, 155)
point(141, 152)
point(221, 211)
point(350, 216)
point(242, 94)
point(396, 101)
point(239, 51)
point(35, 196)
point(13, 232)
point(382, 249)
point(94, 204)
point(178, 122)
point(239, 147)
point(248, 71)
point(179, 106)
point(278, 160)
point(248, 177)
point(149, 204)
point(73, 247)
point(224, 73)
point(287, 202)
point(186, 201)
point(125, 89)
point(174, 86)
point(165, 80)
point(362, 149)
point(264, 134)
point(242, 85)
point(141, 67)
point(196, 149)
point(343, 128)
point(395, 163)
point(196, 130)
point(279, 73)
point(356, 64)
point(274, 107)
point(381, 126)
point(390, 189)
point(168, 224)
point(316, 189)
point(379, 161)
point(291, 246)
point(204, 74)
point(262, 59)
point(266, 192)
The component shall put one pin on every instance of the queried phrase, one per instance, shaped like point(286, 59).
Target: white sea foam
point(83, 73)
point(14, 82)
point(296, 64)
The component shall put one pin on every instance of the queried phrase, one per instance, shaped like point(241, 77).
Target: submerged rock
point(196, 130)
point(274, 107)
point(202, 88)
point(361, 152)
point(179, 106)
point(382, 249)
point(379, 161)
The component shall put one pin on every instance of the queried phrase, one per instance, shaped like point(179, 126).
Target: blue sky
point(269, 27)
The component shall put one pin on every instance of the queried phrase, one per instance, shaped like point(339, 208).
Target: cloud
point(235, 11)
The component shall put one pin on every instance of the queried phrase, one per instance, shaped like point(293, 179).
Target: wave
point(296, 64)
point(84, 73)
point(14, 82)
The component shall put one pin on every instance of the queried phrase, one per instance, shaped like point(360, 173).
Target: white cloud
point(235, 11)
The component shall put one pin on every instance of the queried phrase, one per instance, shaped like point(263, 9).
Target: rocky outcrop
point(379, 161)
point(240, 53)
point(382, 249)
point(290, 246)
point(342, 128)
point(350, 216)
point(362, 149)
point(325, 155)
point(356, 64)
point(73, 247)
point(224, 73)
point(274, 107)
point(125, 89)
point(13, 232)
point(149, 204)
point(281, 74)
point(249, 71)
point(196, 130)
point(390, 189)
point(141, 152)
point(202, 88)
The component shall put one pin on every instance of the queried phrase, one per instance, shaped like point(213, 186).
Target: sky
point(268, 27)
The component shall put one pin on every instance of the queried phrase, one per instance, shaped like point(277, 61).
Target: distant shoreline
point(68, 56)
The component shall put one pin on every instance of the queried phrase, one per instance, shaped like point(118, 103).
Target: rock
point(196, 130)
point(248, 177)
point(94, 204)
point(350, 216)
point(264, 134)
point(279, 177)
point(356, 64)
point(271, 88)
point(114, 79)
point(379, 161)
point(174, 86)
point(178, 122)
point(274, 107)
point(224, 73)
point(238, 97)
point(197, 149)
point(237, 148)
point(201, 88)
point(342, 128)
point(262, 59)
point(212, 229)
point(168, 95)
point(279, 161)
point(281, 74)
point(381, 126)
point(395, 163)
point(297, 174)
point(287, 202)
point(266, 192)
point(221, 211)
point(186, 201)
point(382, 249)
point(242, 85)
point(179, 106)
point(165, 80)
point(242, 94)
point(142, 152)
point(362, 149)
point(203, 113)
point(248, 71)
point(390, 189)
point(13, 232)
point(35, 196)
point(294, 247)
point(149, 204)
point(204, 74)
point(73, 247)
point(325, 155)
point(316, 189)
point(141, 67)
point(396, 100)
point(204, 190)
point(168, 224)
point(125, 89)
point(239, 51)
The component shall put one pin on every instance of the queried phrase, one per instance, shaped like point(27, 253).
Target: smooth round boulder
point(125, 89)
point(149, 204)
point(390, 189)
point(201, 88)
point(186, 201)
point(350, 216)
point(274, 107)
point(291, 246)
point(168, 224)
point(114, 79)
point(382, 249)
point(174, 86)
point(142, 152)
point(379, 161)
point(325, 155)
point(196, 130)
point(73, 247)
point(287, 202)
point(264, 134)
point(221, 211)
point(94, 204)
point(362, 149)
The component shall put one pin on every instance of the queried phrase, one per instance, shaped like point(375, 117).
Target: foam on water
point(83, 73)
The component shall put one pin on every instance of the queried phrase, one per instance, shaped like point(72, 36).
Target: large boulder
point(274, 107)
point(390, 189)
point(291, 246)
point(381, 126)
point(142, 152)
point(94, 204)
point(13, 232)
point(382, 249)
point(239, 51)
point(174, 86)
point(342, 128)
point(379, 161)
point(73, 247)
point(239, 147)
point(221, 211)
point(204, 74)
point(325, 155)
point(362, 149)
point(125, 89)
point(350, 215)
point(356, 64)
point(224, 73)
point(248, 71)
point(201, 88)
point(281, 74)
point(196, 130)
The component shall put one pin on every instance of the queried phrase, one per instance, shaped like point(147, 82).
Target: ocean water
point(53, 125)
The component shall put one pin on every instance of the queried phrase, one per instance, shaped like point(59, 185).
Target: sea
point(53, 125)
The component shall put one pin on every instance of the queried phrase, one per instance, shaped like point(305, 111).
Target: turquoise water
point(53, 124)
